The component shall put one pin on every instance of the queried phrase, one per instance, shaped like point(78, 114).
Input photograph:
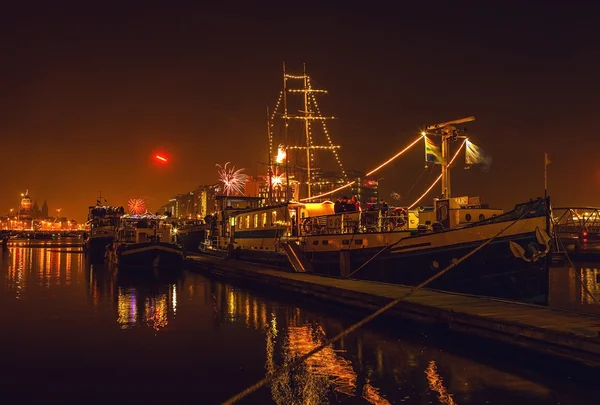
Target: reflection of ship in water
point(567, 291)
point(365, 364)
point(148, 298)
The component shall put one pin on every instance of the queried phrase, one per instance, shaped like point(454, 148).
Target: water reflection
point(367, 365)
point(147, 297)
point(221, 339)
point(567, 292)
point(436, 384)
point(47, 267)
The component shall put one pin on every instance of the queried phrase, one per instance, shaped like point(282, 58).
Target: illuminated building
point(204, 202)
point(25, 207)
point(195, 204)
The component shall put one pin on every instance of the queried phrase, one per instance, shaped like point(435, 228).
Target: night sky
point(88, 96)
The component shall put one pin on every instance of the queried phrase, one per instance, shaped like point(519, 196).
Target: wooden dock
point(568, 335)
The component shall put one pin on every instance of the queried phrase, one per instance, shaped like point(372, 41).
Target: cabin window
point(345, 242)
point(247, 221)
point(315, 242)
point(256, 220)
point(468, 217)
point(358, 242)
point(481, 217)
point(325, 242)
point(264, 219)
point(239, 222)
point(273, 217)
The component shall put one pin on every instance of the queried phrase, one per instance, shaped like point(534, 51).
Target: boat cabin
point(145, 228)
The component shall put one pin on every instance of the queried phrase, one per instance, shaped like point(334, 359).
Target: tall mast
point(285, 135)
point(270, 149)
point(307, 131)
point(307, 116)
point(445, 161)
point(448, 132)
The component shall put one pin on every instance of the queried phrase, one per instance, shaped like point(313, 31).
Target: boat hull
point(190, 239)
point(492, 271)
point(410, 259)
point(95, 247)
point(149, 254)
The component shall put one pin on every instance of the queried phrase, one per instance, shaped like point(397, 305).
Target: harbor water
point(74, 332)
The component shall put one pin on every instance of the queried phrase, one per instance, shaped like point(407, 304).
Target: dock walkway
point(566, 334)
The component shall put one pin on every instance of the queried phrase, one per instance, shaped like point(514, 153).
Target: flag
point(546, 160)
point(474, 155)
point(432, 152)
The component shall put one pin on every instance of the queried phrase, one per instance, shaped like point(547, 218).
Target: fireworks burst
point(277, 180)
point(233, 180)
point(137, 206)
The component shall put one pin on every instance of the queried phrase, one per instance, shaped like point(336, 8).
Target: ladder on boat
point(299, 262)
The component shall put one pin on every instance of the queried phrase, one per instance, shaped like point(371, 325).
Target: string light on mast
point(368, 174)
point(324, 125)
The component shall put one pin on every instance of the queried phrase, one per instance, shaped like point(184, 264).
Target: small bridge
point(577, 226)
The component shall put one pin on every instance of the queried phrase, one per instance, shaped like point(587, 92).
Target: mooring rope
point(365, 320)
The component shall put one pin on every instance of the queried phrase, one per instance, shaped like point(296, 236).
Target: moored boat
point(404, 244)
point(144, 240)
point(190, 234)
point(103, 221)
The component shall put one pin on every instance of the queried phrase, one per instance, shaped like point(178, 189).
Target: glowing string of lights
point(271, 124)
point(368, 174)
point(439, 177)
point(311, 152)
point(335, 154)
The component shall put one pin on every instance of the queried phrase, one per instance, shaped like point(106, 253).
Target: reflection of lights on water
point(588, 276)
point(231, 304)
point(255, 314)
point(126, 307)
point(68, 268)
point(436, 384)
point(263, 314)
point(271, 335)
point(174, 299)
point(156, 311)
point(326, 367)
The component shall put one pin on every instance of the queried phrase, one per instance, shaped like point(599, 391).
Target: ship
point(145, 240)
point(102, 220)
point(404, 245)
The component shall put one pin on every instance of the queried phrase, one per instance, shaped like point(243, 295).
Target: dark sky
point(89, 95)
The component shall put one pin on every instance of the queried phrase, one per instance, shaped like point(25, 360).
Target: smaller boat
point(191, 234)
point(144, 240)
point(103, 221)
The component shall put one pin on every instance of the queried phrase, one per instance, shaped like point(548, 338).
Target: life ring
point(307, 225)
point(398, 217)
